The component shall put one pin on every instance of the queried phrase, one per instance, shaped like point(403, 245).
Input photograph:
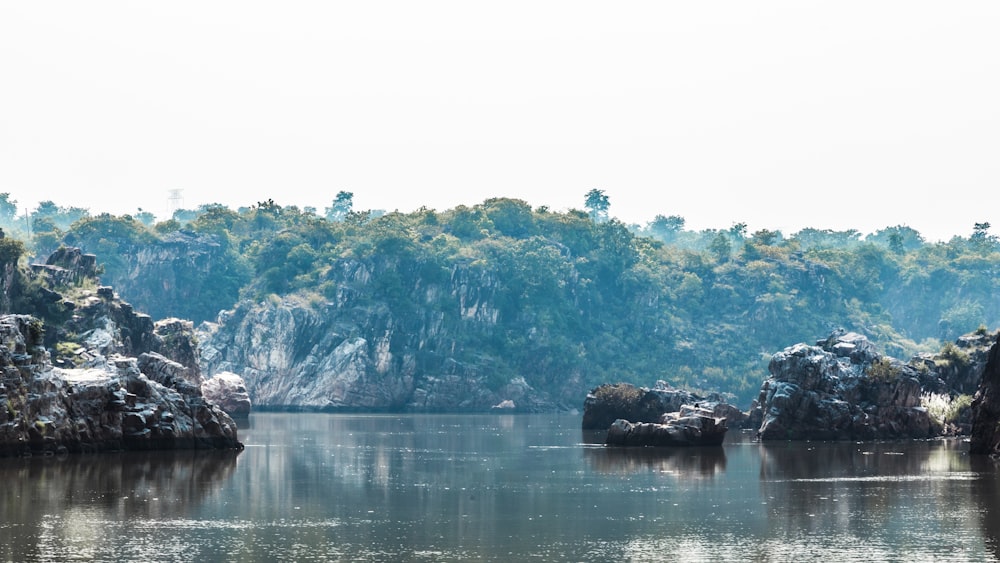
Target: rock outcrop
point(609, 402)
point(126, 404)
point(841, 389)
point(229, 392)
point(691, 426)
point(175, 339)
point(985, 438)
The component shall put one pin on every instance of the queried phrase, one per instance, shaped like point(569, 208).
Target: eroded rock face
point(341, 356)
point(175, 339)
point(841, 389)
point(44, 409)
point(985, 439)
point(229, 392)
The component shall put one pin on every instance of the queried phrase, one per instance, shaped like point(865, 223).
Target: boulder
point(689, 427)
point(612, 401)
point(840, 389)
point(229, 392)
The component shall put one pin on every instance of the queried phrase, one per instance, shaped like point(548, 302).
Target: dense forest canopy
point(576, 293)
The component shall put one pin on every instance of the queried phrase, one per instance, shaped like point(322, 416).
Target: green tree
point(342, 205)
point(981, 239)
point(721, 247)
point(597, 204)
point(666, 228)
point(8, 209)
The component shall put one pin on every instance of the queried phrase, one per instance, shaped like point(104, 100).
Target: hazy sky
point(782, 115)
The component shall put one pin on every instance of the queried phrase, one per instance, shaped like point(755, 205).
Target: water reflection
point(986, 493)
point(866, 490)
point(316, 487)
point(47, 502)
point(685, 463)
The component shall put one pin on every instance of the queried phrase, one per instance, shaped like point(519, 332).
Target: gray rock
point(840, 389)
point(45, 409)
point(611, 401)
point(985, 438)
point(691, 428)
point(229, 392)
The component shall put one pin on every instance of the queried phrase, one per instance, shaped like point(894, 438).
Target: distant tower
point(175, 201)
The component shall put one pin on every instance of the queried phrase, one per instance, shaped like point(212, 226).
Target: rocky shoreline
point(130, 404)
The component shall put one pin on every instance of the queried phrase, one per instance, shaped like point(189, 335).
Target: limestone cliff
point(353, 353)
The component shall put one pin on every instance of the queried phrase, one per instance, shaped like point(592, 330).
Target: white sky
point(783, 115)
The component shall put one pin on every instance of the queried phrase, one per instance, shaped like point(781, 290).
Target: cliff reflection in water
point(46, 501)
point(986, 494)
point(864, 489)
point(684, 463)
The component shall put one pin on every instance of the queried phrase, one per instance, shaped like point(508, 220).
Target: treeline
point(573, 295)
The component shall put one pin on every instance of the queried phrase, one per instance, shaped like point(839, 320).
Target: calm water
point(320, 487)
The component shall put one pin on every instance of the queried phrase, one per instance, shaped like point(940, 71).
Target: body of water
point(332, 487)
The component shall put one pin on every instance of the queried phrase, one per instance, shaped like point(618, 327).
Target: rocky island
point(841, 388)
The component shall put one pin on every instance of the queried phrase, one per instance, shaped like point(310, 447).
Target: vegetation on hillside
point(576, 294)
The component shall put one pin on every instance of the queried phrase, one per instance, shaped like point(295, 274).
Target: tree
point(342, 205)
point(597, 205)
point(721, 247)
point(898, 239)
point(666, 228)
point(981, 239)
point(766, 237)
point(8, 209)
point(145, 217)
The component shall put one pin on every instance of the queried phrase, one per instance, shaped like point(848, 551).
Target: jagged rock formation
point(229, 392)
point(985, 438)
point(349, 354)
point(607, 403)
point(959, 367)
point(841, 389)
point(126, 404)
point(92, 374)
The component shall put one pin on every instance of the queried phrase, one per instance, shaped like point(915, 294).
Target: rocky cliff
point(985, 437)
point(92, 374)
point(126, 404)
point(179, 274)
point(349, 352)
point(842, 389)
